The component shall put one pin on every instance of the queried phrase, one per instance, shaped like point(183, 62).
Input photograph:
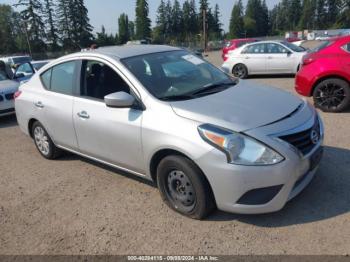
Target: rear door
point(56, 102)
point(254, 57)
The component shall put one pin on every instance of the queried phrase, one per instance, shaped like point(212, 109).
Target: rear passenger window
point(254, 49)
point(60, 78)
point(63, 78)
point(46, 79)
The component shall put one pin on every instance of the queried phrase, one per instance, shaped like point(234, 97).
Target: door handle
point(39, 104)
point(247, 57)
point(269, 57)
point(83, 114)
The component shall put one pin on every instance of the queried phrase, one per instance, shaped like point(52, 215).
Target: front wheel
point(332, 95)
point(240, 71)
point(184, 188)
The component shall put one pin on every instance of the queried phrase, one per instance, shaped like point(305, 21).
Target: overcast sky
point(106, 12)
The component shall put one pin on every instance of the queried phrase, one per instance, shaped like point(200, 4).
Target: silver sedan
point(206, 139)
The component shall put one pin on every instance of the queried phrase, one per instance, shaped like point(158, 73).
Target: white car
point(266, 57)
point(8, 88)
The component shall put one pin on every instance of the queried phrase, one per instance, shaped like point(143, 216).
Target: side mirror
point(289, 53)
point(120, 100)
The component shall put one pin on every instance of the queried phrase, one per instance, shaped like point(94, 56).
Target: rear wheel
point(240, 71)
point(184, 188)
point(332, 95)
point(43, 142)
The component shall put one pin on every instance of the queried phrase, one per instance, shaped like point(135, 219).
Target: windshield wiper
point(213, 88)
point(176, 97)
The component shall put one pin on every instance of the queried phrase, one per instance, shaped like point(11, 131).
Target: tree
point(321, 14)
point(217, 30)
point(190, 21)
point(64, 27)
point(51, 29)
point(203, 7)
point(236, 21)
point(33, 23)
point(177, 21)
point(142, 22)
point(307, 19)
point(123, 23)
point(294, 11)
point(161, 17)
point(7, 32)
point(74, 24)
point(264, 19)
point(131, 30)
point(343, 19)
point(332, 11)
point(80, 22)
point(103, 39)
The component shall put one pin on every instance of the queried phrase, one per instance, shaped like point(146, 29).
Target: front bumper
point(231, 183)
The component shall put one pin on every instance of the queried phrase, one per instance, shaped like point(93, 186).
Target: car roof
point(41, 61)
point(268, 41)
point(126, 51)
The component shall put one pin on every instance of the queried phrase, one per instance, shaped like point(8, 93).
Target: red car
point(233, 44)
point(325, 75)
point(293, 39)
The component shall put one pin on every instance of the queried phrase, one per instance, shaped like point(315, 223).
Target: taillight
point(308, 59)
point(17, 94)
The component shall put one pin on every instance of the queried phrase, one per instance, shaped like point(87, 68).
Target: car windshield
point(293, 47)
point(177, 75)
point(21, 60)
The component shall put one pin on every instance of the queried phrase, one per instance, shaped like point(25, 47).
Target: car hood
point(8, 85)
point(242, 107)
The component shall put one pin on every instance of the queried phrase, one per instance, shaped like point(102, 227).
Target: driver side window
point(99, 80)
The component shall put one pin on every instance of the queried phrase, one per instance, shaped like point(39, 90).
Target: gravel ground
point(74, 206)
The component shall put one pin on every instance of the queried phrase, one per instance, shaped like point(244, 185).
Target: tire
point(184, 188)
point(44, 143)
point(332, 95)
point(240, 71)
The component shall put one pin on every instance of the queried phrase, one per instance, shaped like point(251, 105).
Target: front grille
point(303, 140)
point(10, 96)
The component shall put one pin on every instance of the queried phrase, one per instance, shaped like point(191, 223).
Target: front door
point(279, 59)
point(109, 134)
point(254, 58)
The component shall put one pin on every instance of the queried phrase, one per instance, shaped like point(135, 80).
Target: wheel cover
point(239, 71)
point(41, 140)
point(180, 191)
point(330, 96)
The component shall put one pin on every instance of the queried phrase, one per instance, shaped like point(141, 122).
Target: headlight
point(239, 149)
